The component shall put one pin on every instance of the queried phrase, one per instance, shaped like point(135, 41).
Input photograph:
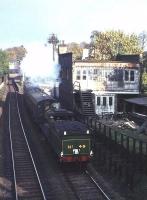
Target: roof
point(99, 61)
point(112, 64)
point(71, 127)
point(37, 95)
point(139, 101)
point(133, 58)
point(60, 113)
point(120, 58)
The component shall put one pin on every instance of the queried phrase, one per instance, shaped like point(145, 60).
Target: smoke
point(38, 66)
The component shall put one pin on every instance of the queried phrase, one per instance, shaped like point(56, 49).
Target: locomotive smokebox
point(66, 86)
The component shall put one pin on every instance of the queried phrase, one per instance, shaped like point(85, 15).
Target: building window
point(78, 77)
point(104, 101)
point(84, 77)
point(78, 72)
point(98, 101)
point(95, 71)
point(84, 74)
point(126, 75)
point(89, 72)
point(95, 78)
point(110, 101)
point(131, 75)
point(84, 71)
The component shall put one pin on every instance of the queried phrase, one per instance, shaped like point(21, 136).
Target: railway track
point(84, 186)
point(23, 174)
point(23, 182)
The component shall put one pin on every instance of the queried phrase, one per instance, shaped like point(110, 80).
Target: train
point(15, 74)
point(70, 139)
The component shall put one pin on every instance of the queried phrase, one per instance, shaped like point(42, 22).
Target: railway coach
point(37, 102)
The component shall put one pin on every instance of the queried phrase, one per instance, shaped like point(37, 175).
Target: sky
point(25, 22)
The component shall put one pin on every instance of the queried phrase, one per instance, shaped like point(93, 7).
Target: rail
point(12, 151)
point(98, 186)
point(79, 180)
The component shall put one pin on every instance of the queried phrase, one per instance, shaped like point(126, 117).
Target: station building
point(110, 81)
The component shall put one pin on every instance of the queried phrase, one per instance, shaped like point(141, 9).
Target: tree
point(4, 62)
point(106, 45)
point(76, 50)
point(143, 39)
point(144, 81)
point(144, 78)
point(144, 60)
point(92, 46)
point(84, 45)
point(16, 54)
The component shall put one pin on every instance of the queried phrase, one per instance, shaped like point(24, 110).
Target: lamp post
point(54, 41)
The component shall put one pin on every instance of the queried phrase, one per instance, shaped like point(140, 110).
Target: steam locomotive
point(70, 139)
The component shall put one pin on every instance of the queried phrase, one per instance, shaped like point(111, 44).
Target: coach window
point(131, 75)
point(78, 77)
point(84, 74)
point(126, 75)
point(98, 101)
point(110, 101)
point(104, 101)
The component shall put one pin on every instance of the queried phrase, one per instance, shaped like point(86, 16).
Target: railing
point(116, 86)
point(76, 85)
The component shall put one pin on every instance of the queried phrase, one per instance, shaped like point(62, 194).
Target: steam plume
point(39, 66)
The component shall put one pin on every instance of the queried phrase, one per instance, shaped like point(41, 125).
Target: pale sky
point(31, 21)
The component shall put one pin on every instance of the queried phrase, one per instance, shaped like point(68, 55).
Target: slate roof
point(139, 101)
point(133, 58)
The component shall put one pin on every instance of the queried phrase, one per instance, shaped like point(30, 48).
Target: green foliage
point(4, 63)
point(145, 59)
point(144, 78)
point(106, 45)
point(16, 54)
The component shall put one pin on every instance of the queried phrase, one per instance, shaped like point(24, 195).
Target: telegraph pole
point(54, 41)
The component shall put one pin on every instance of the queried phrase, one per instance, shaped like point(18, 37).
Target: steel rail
point(12, 151)
point(12, 154)
point(97, 185)
point(35, 168)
